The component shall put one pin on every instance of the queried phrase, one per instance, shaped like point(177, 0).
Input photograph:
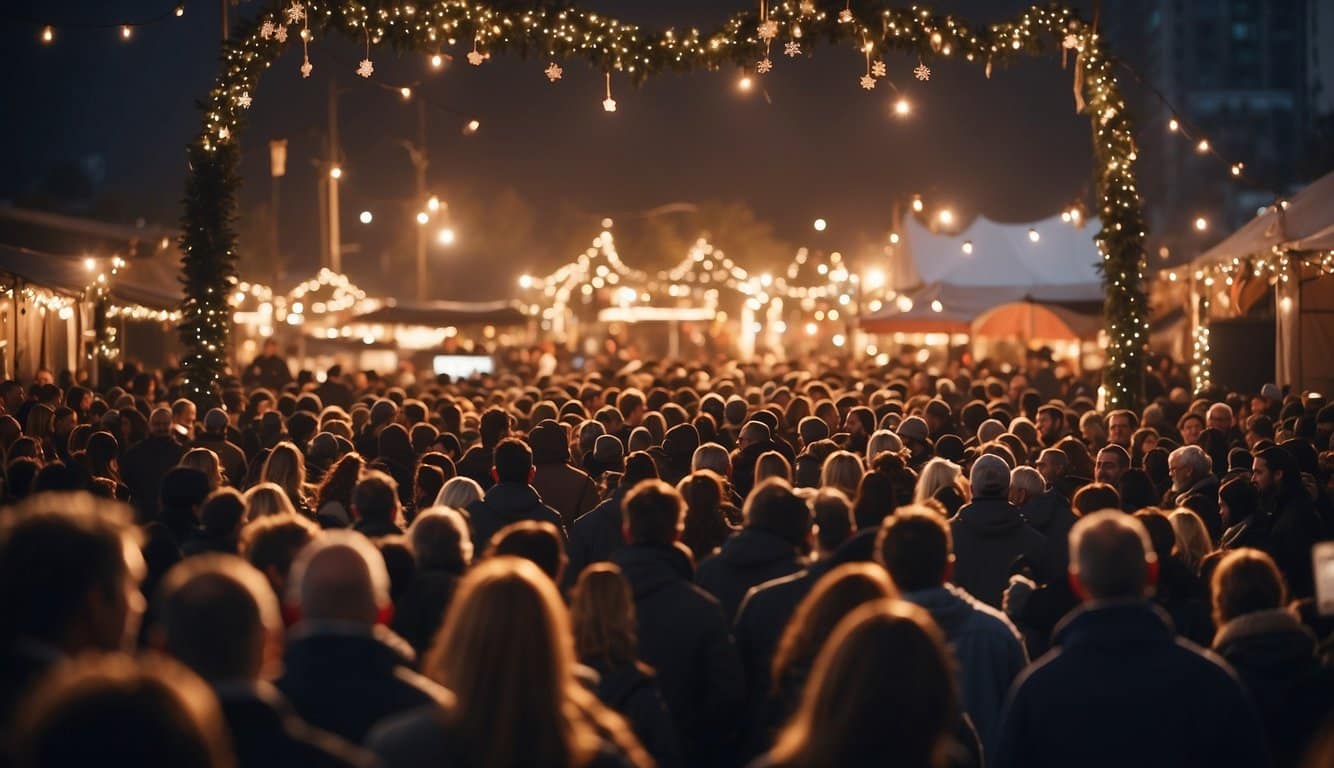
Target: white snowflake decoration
point(764, 66)
point(366, 68)
point(922, 72)
point(845, 16)
point(868, 82)
point(476, 58)
point(280, 34)
point(807, 7)
point(879, 69)
point(1071, 41)
point(295, 12)
point(307, 68)
point(243, 101)
point(767, 30)
point(609, 104)
point(792, 49)
point(266, 29)
point(554, 72)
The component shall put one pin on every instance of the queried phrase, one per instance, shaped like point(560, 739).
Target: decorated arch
point(558, 32)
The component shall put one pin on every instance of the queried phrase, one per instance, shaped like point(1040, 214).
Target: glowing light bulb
point(367, 217)
point(180, 10)
point(946, 216)
point(902, 107)
point(1201, 223)
point(1033, 235)
point(745, 84)
point(1173, 125)
point(437, 61)
point(1236, 169)
point(445, 236)
point(821, 225)
point(472, 126)
point(126, 32)
point(405, 92)
point(1203, 146)
point(335, 173)
point(968, 247)
point(917, 203)
point(48, 34)
point(894, 238)
point(433, 204)
point(422, 218)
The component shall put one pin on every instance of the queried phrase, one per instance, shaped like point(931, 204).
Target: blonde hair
point(507, 652)
point(772, 464)
point(937, 474)
point(286, 467)
point(267, 499)
point(206, 461)
point(842, 470)
point(458, 492)
point(1192, 538)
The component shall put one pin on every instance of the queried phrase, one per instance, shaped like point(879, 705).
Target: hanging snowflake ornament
point(792, 49)
point(767, 30)
point(764, 65)
point(280, 34)
point(609, 104)
point(1071, 42)
point(307, 68)
point(266, 29)
point(295, 12)
point(879, 69)
point(845, 16)
point(922, 72)
point(366, 68)
point(243, 101)
point(554, 72)
point(868, 82)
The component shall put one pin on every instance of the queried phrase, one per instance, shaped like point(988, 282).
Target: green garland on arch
point(560, 31)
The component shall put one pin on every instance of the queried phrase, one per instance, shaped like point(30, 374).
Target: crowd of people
point(670, 564)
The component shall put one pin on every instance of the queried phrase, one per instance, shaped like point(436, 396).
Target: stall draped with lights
point(618, 48)
point(1289, 247)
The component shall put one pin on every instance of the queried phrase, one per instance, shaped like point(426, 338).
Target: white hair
point(711, 456)
point(1195, 458)
point(458, 492)
point(1027, 479)
point(1110, 553)
point(882, 440)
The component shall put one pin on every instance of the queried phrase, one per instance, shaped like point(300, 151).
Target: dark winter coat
point(142, 470)
point(477, 463)
point(1275, 655)
point(989, 537)
point(506, 503)
point(683, 635)
point(632, 690)
point(1294, 528)
point(595, 536)
point(266, 733)
point(419, 613)
point(1202, 499)
point(1118, 689)
point(346, 681)
point(986, 645)
point(421, 739)
point(751, 557)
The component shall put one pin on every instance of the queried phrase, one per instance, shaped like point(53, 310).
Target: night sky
point(548, 162)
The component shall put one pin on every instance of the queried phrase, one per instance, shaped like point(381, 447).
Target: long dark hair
point(706, 527)
point(339, 481)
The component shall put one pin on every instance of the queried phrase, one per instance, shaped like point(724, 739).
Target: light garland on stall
point(566, 32)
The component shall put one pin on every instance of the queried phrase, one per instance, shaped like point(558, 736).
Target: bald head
point(1111, 556)
point(159, 422)
point(217, 614)
point(340, 577)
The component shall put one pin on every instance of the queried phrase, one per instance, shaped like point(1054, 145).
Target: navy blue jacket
point(683, 636)
point(506, 503)
point(749, 558)
point(1119, 689)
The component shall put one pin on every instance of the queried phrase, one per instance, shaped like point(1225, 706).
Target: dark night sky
point(1010, 148)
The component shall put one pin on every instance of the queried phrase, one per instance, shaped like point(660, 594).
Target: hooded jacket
point(683, 635)
point(1275, 655)
point(751, 557)
point(569, 491)
point(506, 503)
point(345, 679)
point(989, 537)
point(1118, 689)
point(986, 645)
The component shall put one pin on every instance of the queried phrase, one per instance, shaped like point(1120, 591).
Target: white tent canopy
point(952, 280)
point(1305, 223)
